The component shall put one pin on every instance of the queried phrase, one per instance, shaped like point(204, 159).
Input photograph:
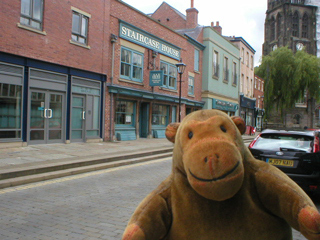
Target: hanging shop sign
point(156, 78)
point(138, 36)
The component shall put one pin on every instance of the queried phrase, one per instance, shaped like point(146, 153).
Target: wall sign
point(156, 78)
point(223, 105)
point(138, 36)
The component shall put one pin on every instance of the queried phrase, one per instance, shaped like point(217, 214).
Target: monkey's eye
point(223, 129)
point(190, 135)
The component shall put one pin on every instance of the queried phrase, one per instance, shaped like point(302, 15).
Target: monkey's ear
point(239, 122)
point(171, 131)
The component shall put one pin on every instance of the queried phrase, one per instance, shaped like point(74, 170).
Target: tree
point(288, 78)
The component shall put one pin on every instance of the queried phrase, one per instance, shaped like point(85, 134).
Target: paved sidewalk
point(44, 153)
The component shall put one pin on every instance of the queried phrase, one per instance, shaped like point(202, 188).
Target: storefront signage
point(156, 78)
point(138, 36)
point(224, 105)
point(247, 102)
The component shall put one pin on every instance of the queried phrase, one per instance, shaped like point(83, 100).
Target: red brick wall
point(259, 93)
point(121, 11)
point(169, 17)
point(55, 46)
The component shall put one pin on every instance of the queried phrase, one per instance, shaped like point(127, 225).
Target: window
point(259, 85)
point(159, 114)
point(272, 29)
point(10, 111)
point(305, 23)
point(32, 13)
point(169, 75)
point(248, 89)
point(196, 60)
point(247, 59)
point(125, 113)
point(80, 24)
point(226, 69)
point(235, 76)
point(252, 62)
point(191, 85)
point(215, 64)
point(242, 54)
point(295, 25)
point(255, 83)
point(131, 65)
point(279, 19)
point(242, 83)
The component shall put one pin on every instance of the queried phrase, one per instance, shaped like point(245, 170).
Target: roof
point(240, 39)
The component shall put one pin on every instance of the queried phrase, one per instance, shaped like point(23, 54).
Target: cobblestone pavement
point(94, 205)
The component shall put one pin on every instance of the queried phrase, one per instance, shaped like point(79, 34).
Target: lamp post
point(180, 67)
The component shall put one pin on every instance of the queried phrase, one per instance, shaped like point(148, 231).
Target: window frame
point(30, 18)
point(133, 113)
point(132, 65)
point(166, 117)
point(166, 75)
point(305, 26)
point(295, 24)
point(75, 36)
point(226, 69)
point(190, 85)
point(196, 60)
point(235, 76)
point(215, 64)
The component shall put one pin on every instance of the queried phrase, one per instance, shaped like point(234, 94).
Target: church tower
point(291, 23)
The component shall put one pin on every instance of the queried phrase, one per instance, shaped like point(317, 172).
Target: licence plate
point(280, 162)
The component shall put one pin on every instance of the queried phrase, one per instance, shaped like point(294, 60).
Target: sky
point(237, 18)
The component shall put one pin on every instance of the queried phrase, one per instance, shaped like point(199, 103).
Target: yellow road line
point(78, 176)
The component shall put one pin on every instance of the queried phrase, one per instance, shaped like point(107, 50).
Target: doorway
point(85, 116)
point(46, 117)
point(144, 120)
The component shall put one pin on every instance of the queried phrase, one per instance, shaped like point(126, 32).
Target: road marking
point(79, 176)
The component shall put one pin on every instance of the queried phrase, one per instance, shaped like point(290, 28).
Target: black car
point(295, 153)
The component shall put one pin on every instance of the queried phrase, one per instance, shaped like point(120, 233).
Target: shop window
point(10, 111)
point(191, 85)
point(196, 60)
point(159, 115)
point(169, 75)
point(32, 13)
point(80, 23)
point(131, 65)
point(125, 113)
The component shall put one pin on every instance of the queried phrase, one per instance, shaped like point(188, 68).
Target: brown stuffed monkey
point(218, 191)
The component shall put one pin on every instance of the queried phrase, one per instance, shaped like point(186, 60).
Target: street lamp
point(180, 67)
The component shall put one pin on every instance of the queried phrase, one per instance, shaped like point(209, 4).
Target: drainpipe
point(113, 41)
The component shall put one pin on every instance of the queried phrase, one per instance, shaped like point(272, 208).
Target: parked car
point(295, 153)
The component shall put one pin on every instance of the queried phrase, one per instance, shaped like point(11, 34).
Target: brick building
point(79, 71)
point(258, 94)
point(220, 63)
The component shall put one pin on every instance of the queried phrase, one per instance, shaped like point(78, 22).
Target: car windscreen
point(285, 142)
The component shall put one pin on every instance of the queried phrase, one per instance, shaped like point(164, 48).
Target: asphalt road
point(95, 205)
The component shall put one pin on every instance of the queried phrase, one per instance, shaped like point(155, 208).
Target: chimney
point(192, 16)
point(217, 27)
